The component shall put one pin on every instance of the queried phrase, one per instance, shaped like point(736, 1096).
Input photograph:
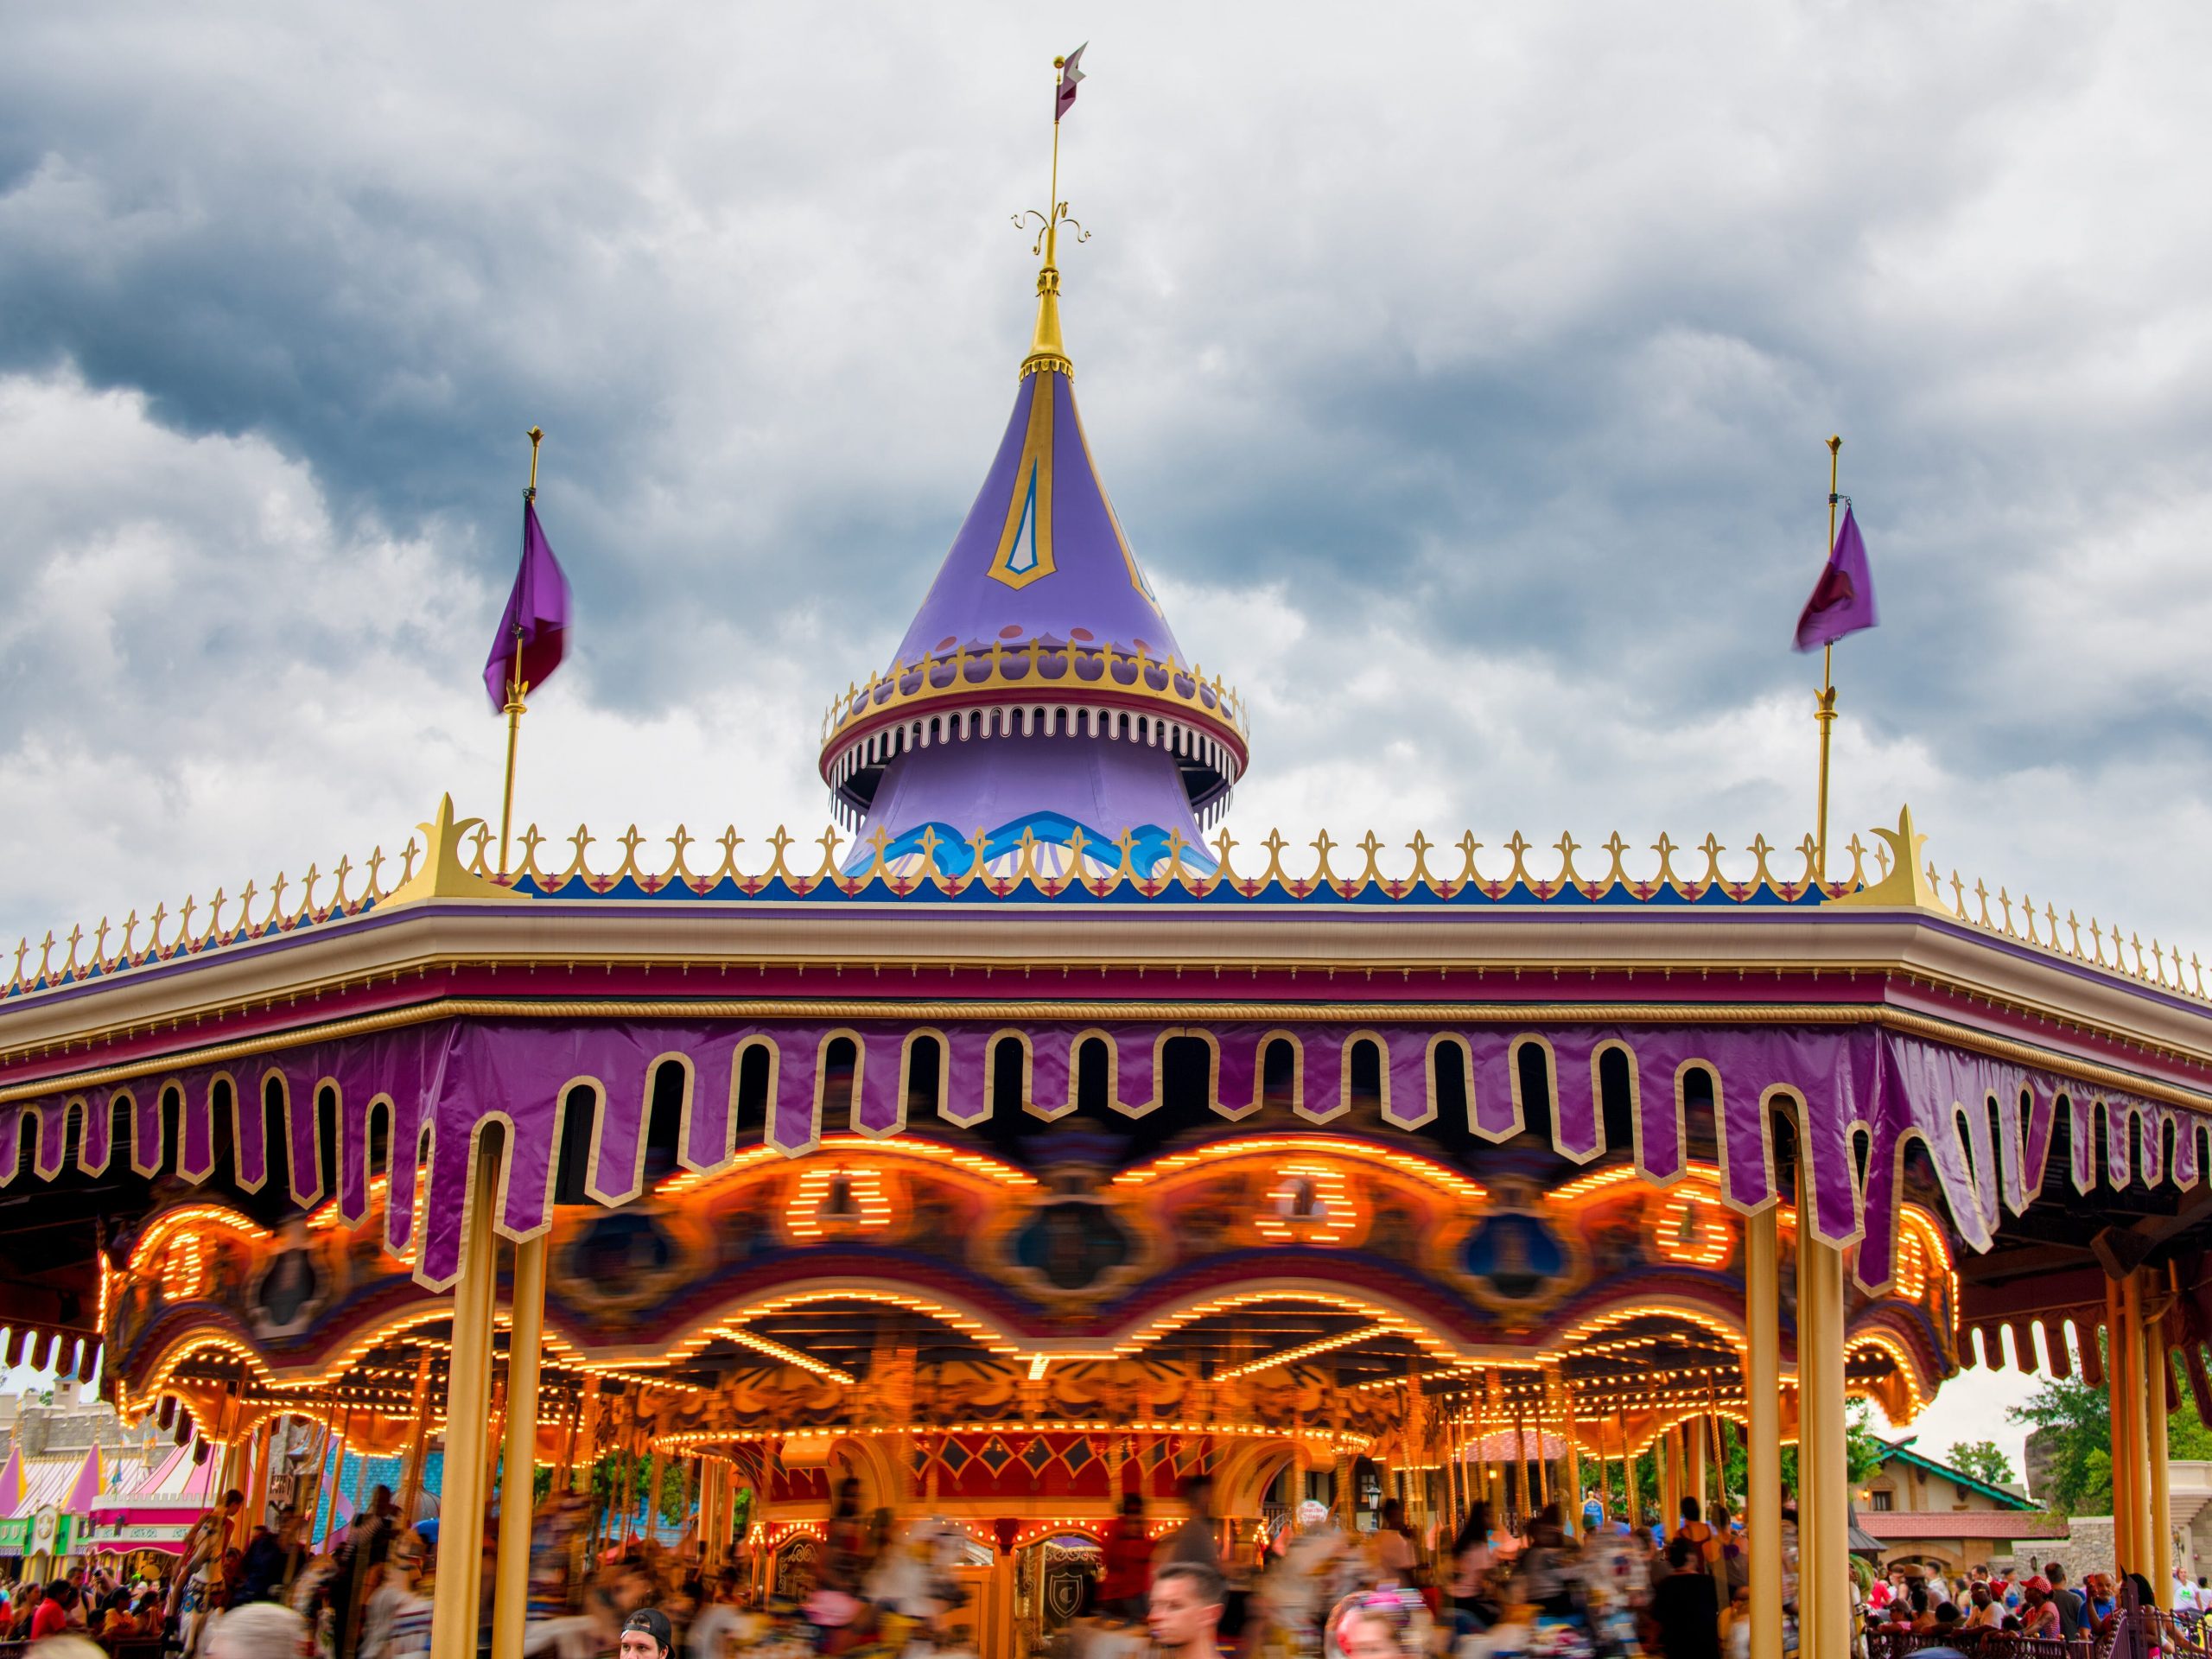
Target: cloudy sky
point(1463, 381)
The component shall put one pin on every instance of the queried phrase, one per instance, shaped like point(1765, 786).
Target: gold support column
point(410, 1481)
point(1762, 1433)
point(2116, 1350)
point(1823, 1507)
point(2156, 1373)
point(468, 1397)
point(525, 1348)
point(585, 1456)
point(1571, 1465)
point(1695, 1432)
point(2142, 1541)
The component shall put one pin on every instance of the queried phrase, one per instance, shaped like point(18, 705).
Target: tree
point(1982, 1459)
point(2078, 1421)
point(1862, 1454)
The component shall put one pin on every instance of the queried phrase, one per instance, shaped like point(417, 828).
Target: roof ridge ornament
point(1048, 351)
point(443, 872)
point(1908, 881)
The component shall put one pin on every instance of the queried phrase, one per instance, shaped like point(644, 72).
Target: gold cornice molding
point(939, 1011)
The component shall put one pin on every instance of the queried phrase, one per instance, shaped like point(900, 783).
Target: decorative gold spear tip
point(537, 436)
point(443, 874)
point(1908, 881)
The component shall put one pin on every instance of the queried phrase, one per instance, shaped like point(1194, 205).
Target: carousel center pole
point(525, 1346)
point(1763, 1428)
point(469, 1399)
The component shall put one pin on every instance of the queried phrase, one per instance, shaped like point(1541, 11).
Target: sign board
point(138, 1534)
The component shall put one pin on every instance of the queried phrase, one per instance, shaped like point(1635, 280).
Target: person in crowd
point(1377, 1624)
point(1695, 1527)
point(646, 1634)
point(1984, 1611)
point(396, 1615)
point(2072, 1611)
point(2038, 1611)
point(1683, 1621)
point(1194, 1541)
point(713, 1632)
point(1471, 1561)
point(263, 1630)
point(1730, 1561)
point(846, 1556)
point(368, 1541)
point(2099, 1600)
point(1393, 1545)
point(1183, 1613)
point(262, 1566)
point(1541, 1567)
point(1127, 1563)
point(51, 1618)
point(1920, 1608)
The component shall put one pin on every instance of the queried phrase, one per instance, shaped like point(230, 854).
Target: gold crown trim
point(1096, 868)
point(999, 665)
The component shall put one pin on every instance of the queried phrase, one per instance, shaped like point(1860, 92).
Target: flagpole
point(1052, 197)
point(516, 688)
point(1826, 712)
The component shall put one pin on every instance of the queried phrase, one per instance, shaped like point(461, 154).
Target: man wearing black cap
point(646, 1635)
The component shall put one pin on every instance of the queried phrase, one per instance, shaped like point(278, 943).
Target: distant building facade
point(1930, 1514)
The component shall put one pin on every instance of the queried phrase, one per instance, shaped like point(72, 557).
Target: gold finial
point(1046, 348)
point(443, 874)
point(1908, 881)
point(537, 436)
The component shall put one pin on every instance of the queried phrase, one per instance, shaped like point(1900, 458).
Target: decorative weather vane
point(1066, 73)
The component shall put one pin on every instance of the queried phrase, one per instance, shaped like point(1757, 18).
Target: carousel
point(1034, 1141)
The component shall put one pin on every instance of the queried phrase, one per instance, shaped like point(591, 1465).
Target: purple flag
point(1843, 599)
point(535, 624)
point(1070, 73)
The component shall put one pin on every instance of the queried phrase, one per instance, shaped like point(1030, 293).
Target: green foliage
point(1862, 1447)
point(2078, 1419)
point(1982, 1459)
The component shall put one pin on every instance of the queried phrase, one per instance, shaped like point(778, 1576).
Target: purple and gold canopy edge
point(1040, 690)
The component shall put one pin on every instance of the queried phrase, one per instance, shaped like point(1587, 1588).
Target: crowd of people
point(877, 1587)
point(2044, 1603)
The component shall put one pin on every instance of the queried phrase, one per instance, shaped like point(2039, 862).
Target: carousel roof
point(1031, 930)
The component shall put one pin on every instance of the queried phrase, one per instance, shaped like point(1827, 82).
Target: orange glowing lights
point(1308, 1146)
point(1311, 1204)
point(836, 1197)
point(1692, 1228)
point(183, 1268)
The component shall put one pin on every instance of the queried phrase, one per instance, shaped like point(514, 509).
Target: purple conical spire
point(1039, 686)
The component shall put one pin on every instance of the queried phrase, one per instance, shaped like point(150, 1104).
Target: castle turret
point(1040, 687)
